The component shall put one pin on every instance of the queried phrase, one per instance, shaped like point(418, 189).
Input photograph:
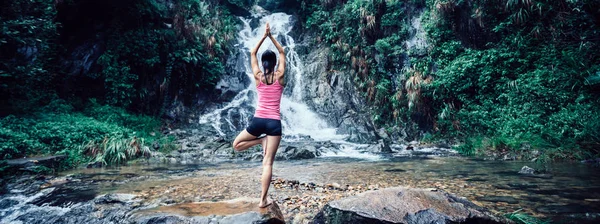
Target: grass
point(532, 149)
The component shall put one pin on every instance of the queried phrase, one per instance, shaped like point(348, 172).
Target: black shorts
point(259, 126)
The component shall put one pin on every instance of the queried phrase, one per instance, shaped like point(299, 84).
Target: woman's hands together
point(268, 31)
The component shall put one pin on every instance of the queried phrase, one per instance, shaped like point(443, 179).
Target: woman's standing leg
point(265, 180)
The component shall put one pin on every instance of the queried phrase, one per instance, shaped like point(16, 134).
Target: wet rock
point(241, 210)
point(382, 133)
point(155, 145)
point(564, 209)
point(527, 170)
point(395, 170)
point(495, 199)
point(115, 198)
point(94, 165)
point(476, 179)
point(295, 153)
point(179, 133)
point(381, 147)
point(165, 219)
point(591, 161)
point(517, 186)
point(522, 186)
point(32, 163)
point(5, 203)
point(404, 205)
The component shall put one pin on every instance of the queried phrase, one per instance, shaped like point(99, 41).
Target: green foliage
point(101, 133)
point(116, 150)
point(149, 53)
point(504, 76)
point(118, 80)
point(516, 86)
point(27, 53)
point(153, 59)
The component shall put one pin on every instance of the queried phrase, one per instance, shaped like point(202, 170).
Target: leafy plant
point(522, 218)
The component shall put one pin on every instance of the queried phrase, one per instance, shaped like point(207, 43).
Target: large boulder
point(404, 205)
point(295, 153)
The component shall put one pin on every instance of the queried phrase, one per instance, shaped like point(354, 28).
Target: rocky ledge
point(404, 205)
point(241, 210)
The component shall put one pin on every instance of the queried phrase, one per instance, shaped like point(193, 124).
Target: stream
point(564, 192)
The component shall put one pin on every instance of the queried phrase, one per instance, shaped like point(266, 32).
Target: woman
point(267, 119)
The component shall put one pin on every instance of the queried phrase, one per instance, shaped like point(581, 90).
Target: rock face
point(404, 205)
point(333, 95)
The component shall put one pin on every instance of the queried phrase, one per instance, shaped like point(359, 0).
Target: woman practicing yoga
point(266, 120)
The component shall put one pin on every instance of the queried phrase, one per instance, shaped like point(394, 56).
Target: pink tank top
point(269, 100)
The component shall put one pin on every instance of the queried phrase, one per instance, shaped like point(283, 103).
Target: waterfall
point(297, 118)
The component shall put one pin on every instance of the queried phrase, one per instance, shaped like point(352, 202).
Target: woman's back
point(269, 100)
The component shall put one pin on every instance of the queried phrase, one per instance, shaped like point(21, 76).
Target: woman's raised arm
point(281, 68)
point(253, 60)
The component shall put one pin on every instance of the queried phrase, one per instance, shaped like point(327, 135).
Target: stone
point(295, 153)
point(155, 145)
point(383, 133)
point(94, 165)
point(381, 147)
point(115, 198)
point(404, 205)
point(527, 170)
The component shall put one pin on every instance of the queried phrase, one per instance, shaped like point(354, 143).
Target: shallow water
point(563, 190)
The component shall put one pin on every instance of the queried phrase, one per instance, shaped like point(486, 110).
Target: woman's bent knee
point(236, 146)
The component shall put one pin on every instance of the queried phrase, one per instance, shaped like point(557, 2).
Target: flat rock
point(241, 210)
point(30, 164)
point(35, 160)
point(404, 205)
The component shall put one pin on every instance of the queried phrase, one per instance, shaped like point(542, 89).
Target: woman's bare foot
point(264, 204)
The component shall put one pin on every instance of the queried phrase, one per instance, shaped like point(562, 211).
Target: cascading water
point(297, 118)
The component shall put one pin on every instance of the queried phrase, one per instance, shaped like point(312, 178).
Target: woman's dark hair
point(269, 59)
